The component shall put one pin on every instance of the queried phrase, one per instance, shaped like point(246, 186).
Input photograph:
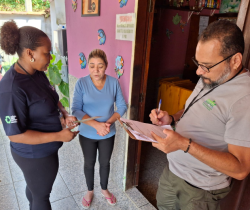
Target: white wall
point(60, 12)
point(54, 25)
point(58, 17)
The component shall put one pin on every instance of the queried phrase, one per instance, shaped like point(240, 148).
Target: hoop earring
point(32, 60)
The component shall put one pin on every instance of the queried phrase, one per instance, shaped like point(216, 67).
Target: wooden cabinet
point(174, 92)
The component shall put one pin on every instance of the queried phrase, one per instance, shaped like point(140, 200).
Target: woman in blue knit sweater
point(95, 95)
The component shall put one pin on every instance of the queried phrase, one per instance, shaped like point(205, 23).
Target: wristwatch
point(173, 121)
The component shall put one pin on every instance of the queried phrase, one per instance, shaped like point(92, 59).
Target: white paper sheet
point(142, 131)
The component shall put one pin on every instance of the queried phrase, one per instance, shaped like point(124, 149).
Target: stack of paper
point(142, 131)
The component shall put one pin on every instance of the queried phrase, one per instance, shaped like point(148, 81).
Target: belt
point(192, 185)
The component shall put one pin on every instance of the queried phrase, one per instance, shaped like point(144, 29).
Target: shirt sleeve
point(77, 104)
point(238, 126)
point(14, 112)
point(119, 100)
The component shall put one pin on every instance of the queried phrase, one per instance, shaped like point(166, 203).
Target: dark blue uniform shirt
point(28, 105)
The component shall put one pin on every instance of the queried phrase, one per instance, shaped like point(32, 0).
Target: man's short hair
point(228, 34)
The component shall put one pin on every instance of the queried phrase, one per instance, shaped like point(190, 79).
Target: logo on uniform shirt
point(10, 119)
point(209, 104)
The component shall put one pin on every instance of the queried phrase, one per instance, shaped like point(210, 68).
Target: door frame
point(145, 15)
point(243, 21)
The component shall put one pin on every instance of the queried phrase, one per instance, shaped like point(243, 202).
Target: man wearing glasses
point(212, 139)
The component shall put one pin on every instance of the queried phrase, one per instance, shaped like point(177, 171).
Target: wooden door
point(145, 16)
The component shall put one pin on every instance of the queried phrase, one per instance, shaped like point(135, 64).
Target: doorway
point(168, 48)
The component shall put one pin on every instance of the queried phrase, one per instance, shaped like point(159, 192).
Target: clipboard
point(131, 135)
point(128, 132)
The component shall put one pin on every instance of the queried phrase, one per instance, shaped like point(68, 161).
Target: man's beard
point(219, 81)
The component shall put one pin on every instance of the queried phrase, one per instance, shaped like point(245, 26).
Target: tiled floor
point(153, 162)
point(69, 186)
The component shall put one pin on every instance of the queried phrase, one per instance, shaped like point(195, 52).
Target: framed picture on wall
point(90, 8)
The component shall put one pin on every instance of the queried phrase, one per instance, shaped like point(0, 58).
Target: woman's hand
point(69, 120)
point(66, 135)
point(102, 128)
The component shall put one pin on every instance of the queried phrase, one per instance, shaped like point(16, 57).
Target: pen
point(81, 121)
point(159, 107)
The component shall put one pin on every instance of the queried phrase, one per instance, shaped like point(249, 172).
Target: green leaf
point(54, 75)
point(53, 58)
point(6, 68)
point(65, 102)
point(64, 88)
point(59, 64)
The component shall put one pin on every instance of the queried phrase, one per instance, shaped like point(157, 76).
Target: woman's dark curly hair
point(15, 40)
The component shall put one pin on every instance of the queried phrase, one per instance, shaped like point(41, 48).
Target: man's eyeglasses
point(207, 69)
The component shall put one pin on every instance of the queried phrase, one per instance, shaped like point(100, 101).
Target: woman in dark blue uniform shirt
point(29, 111)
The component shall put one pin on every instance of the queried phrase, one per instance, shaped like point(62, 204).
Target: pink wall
point(82, 37)
point(168, 55)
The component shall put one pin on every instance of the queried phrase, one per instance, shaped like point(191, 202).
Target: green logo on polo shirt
point(209, 104)
point(7, 119)
point(10, 119)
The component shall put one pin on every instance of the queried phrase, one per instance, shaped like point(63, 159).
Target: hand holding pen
point(159, 117)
